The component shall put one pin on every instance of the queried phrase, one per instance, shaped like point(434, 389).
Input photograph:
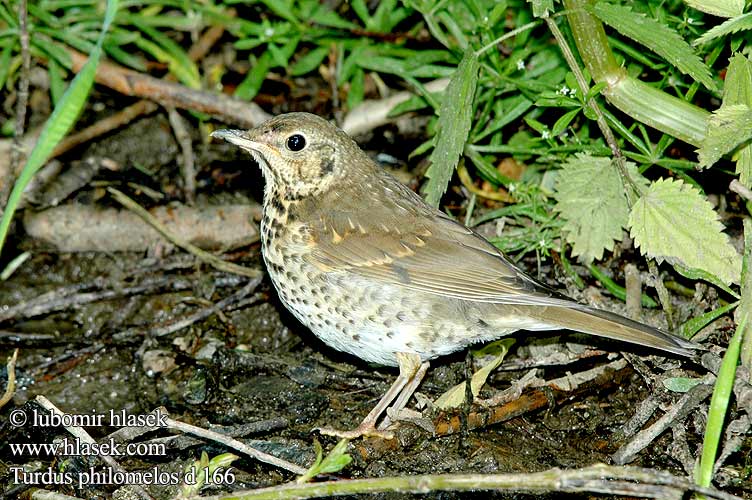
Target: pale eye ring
point(296, 142)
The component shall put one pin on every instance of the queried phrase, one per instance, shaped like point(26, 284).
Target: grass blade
point(455, 119)
point(59, 123)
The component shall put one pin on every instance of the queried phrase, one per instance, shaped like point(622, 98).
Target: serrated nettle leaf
point(729, 26)
point(737, 87)
point(541, 8)
point(455, 119)
point(590, 197)
point(738, 90)
point(672, 221)
point(720, 8)
point(728, 127)
point(658, 37)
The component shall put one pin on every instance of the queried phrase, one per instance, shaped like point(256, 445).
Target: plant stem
point(608, 134)
point(608, 480)
point(637, 99)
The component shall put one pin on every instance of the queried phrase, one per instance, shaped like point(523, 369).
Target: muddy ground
point(255, 364)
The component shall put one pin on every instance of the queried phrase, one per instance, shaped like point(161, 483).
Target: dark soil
point(256, 364)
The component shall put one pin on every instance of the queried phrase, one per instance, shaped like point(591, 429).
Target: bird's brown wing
point(406, 243)
point(415, 247)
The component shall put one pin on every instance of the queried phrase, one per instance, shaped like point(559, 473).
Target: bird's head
point(300, 154)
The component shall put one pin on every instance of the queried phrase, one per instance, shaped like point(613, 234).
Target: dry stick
point(663, 295)
point(740, 189)
point(609, 480)
point(102, 289)
point(143, 107)
point(10, 388)
point(21, 105)
point(188, 165)
point(678, 411)
point(47, 303)
point(105, 125)
point(174, 326)
point(501, 409)
point(633, 284)
point(135, 84)
point(83, 436)
point(175, 240)
point(235, 445)
point(374, 113)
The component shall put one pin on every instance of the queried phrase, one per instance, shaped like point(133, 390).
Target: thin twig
point(51, 302)
point(133, 83)
point(688, 403)
point(174, 326)
point(84, 437)
point(235, 445)
point(609, 480)
point(600, 118)
point(188, 163)
point(22, 103)
point(179, 242)
point(663, 295)
point(10, 387)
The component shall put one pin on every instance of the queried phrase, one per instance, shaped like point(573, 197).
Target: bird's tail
point(593, 321)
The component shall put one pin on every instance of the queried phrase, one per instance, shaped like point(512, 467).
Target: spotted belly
point(374, 321)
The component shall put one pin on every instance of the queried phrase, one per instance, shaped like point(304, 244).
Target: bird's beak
point(240, 138)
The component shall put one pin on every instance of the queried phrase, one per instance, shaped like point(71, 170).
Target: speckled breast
point(372, 321)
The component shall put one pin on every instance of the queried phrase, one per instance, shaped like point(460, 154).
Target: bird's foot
point(366, 429)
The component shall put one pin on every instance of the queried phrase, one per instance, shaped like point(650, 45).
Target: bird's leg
point(409, 366)
point(406, 393)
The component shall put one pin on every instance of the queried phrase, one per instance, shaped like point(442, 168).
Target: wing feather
point(415, 247)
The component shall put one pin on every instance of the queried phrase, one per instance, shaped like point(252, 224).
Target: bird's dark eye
point(296, 142)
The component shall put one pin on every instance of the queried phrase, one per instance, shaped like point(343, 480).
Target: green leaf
point(357, 89)
point(455, 119)
point(5, 63)
point(680, 384)
point(719, 407)
point(737, 87)
point(324, 16)
point(743, 315)
point(658, 37)
point(335, 461)
point(57, 83)
point(672, 221)
point(591, 199)
point(252, 82)
point(738, 90)
point(281, 55)
point(309, 62)
point(455, 396)
point(720, 8)
point(694, 325)
point(694, 274)
point(167, 51)
point(541, 8)
point(728, 127)
point(739, 23)
point(563, 122)
point(59, 123)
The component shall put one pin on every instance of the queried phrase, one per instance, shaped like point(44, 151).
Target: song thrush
point(374, 271)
